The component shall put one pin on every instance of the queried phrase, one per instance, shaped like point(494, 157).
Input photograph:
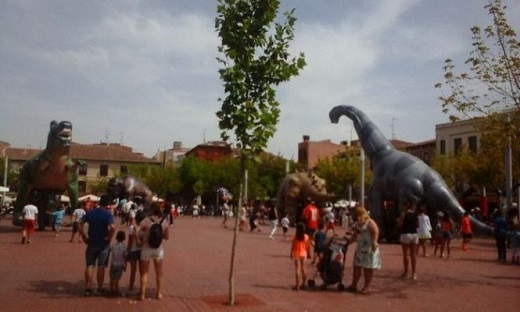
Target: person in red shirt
point(465, 229)
point(310, 217)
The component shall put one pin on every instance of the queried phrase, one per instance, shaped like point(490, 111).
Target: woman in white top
point(149, 253)
point(424, 230)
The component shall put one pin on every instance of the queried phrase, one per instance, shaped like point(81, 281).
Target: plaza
point(47, 275)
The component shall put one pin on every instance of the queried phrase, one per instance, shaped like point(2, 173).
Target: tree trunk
point(236, 212)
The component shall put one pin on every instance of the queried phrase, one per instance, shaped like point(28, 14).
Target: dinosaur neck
point(372, 140)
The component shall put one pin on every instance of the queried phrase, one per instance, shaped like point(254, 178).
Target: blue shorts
point(97, 253)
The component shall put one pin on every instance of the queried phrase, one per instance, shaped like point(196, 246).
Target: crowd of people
point(130, 249)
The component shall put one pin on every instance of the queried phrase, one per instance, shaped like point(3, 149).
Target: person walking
point(465, 230)
point(272, 214)
point(409, 239)
point(446, 234)
point(150, 253)
point(500, 226)
point(77, 215)
point(285, 224)
point(29, 220)
point(101, 229)
point(310, 217)
point(424, 230)
point(300, 249)
point(367, 257)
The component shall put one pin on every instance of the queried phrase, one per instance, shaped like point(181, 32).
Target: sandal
point(404, 275)
point(364, 291)
point(351, 289)
point(87, 293)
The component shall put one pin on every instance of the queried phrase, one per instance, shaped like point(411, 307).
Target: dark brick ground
point(47, 275)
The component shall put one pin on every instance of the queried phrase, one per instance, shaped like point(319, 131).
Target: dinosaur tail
point(445, 201)
point(372, 140)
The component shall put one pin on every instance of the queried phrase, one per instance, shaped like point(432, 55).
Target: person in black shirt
point(409, 239)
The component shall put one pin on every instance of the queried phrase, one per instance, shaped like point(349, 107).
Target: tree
point(492, 85)
point(255, 60)
point(340, 171)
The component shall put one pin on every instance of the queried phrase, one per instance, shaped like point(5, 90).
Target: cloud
point(144, 72)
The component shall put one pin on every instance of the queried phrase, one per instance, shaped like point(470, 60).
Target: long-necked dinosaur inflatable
point(51, 171)
point(400, 176)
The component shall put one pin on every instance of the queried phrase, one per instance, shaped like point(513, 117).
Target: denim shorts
point(97, 254)
point(116, 271)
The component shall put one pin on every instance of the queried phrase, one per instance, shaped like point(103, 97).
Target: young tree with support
point(255, 60)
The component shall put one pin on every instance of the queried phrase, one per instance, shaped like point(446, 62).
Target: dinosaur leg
point(376, 210)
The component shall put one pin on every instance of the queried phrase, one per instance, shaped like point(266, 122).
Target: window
point(124, 169)
point(426, 158)
point(457, 145)
point(443, 147)
point(82, 170)
point(103, 170)
point(472, 144)
point(82, 186)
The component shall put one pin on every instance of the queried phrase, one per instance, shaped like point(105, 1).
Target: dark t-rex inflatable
point(52, 171)
point(295, 188)
point(129, 187)
point(399, 176)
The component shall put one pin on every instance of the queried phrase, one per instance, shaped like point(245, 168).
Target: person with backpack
point(153, 230)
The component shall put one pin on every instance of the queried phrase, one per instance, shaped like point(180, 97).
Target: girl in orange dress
point(299, 252)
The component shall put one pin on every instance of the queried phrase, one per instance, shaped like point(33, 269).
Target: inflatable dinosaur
point(52, 171)
point(295, 188)
point(400, 176)
point(129, 187)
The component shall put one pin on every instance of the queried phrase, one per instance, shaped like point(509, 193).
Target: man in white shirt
point(29, 219)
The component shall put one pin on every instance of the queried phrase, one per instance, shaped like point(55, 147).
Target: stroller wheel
point(341, 287)
point(311, 283)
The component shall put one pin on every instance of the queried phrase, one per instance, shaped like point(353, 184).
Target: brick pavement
point(47, 275)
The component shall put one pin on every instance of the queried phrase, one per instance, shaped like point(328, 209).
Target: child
point(320, 243)
point(299, 251)
point(437, 237)
point(329, 221)
point(58, 219)
point(285, 224)
point(514, 243)
point(118, 263)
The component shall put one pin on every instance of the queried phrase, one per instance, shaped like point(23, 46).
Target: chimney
point(177, 144)
point(306, 138)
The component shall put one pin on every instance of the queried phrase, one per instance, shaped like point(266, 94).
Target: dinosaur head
point(60, 134)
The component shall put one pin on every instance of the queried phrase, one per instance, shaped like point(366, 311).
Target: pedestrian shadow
point(280, 287)
point(56, 289)
point(8, 228)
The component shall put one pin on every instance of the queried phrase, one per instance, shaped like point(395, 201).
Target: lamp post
point(6, 161)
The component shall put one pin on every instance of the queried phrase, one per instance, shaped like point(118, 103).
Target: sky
point(144, 73)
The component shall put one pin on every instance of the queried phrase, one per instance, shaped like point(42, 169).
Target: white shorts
point(410, 238)
point(152, 253)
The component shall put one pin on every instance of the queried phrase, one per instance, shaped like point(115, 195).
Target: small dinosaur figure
point(52, 170)
point(400, 176)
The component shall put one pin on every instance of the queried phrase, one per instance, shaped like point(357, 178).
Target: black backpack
point(156, 234)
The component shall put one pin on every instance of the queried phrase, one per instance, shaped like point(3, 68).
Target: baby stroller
point(332, 264)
